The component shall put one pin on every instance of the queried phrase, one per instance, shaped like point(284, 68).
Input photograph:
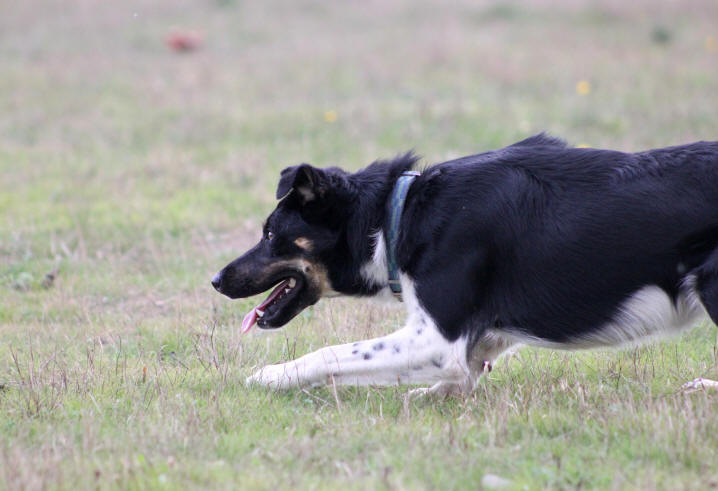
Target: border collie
point(536, 243)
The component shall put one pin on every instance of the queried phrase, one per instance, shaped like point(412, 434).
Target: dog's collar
point(395, 206)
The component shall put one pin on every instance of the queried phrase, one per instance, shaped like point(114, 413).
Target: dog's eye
point(270, 235)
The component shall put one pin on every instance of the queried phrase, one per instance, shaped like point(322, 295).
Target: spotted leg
point(415, 354)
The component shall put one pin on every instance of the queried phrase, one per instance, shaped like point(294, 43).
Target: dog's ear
point(308, 182)
point(321, 195)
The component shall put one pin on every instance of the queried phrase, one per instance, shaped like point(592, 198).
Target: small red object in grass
point(184, 41)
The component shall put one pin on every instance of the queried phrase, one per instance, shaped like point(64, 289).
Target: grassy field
point(129, 174)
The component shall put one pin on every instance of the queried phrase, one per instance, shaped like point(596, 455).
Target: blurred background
point(141, 141)
point(177, 115)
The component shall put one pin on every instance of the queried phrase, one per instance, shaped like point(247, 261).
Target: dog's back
point(554, 241)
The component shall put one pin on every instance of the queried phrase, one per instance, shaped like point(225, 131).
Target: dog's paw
point(281, 376)
point(440, 389)
point(700, 384)
point(419, 393)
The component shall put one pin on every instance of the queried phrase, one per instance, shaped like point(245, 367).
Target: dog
point(537, 243)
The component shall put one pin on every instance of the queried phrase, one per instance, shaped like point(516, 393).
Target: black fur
point(536, 237)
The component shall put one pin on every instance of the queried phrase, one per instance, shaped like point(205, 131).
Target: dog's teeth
point(260, 313)
point(292, 282)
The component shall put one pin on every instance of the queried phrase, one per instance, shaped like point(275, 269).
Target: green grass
point(133, 174)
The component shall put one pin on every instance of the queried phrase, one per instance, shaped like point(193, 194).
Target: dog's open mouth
point(281, 297)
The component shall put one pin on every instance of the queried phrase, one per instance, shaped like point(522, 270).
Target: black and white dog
point(535, 243)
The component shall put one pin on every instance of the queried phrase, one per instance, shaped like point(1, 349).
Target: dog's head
point(301, 239)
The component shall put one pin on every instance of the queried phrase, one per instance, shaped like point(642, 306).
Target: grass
point(131, 174)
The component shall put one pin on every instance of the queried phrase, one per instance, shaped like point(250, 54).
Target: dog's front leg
point(415, 354)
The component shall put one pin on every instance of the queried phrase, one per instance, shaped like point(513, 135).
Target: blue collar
point(394, 208)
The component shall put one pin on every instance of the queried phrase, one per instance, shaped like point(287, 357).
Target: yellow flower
point(330, 116)
point(583, 87)
point(711, 44)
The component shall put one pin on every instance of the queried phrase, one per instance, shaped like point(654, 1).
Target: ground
point(130, 173)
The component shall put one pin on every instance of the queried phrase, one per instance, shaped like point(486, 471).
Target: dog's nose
point(217, 281)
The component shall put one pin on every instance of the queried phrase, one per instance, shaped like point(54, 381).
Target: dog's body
point(536, 243)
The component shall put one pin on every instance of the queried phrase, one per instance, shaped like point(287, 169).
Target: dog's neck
point(394, 209)
point(356, 257)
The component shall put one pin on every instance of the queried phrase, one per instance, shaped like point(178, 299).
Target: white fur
point(417, 353)
point(647, 315)
point(700, 384)
point(375, 271)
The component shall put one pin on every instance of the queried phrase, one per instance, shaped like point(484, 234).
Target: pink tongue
point(251, 318)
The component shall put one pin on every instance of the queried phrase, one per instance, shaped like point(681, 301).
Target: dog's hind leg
point(415, 354)
point(706, 285)
point(704, 282)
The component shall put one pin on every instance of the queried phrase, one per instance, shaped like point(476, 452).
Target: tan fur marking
point(319, 275)
point(303, 243)
point(314, 273)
